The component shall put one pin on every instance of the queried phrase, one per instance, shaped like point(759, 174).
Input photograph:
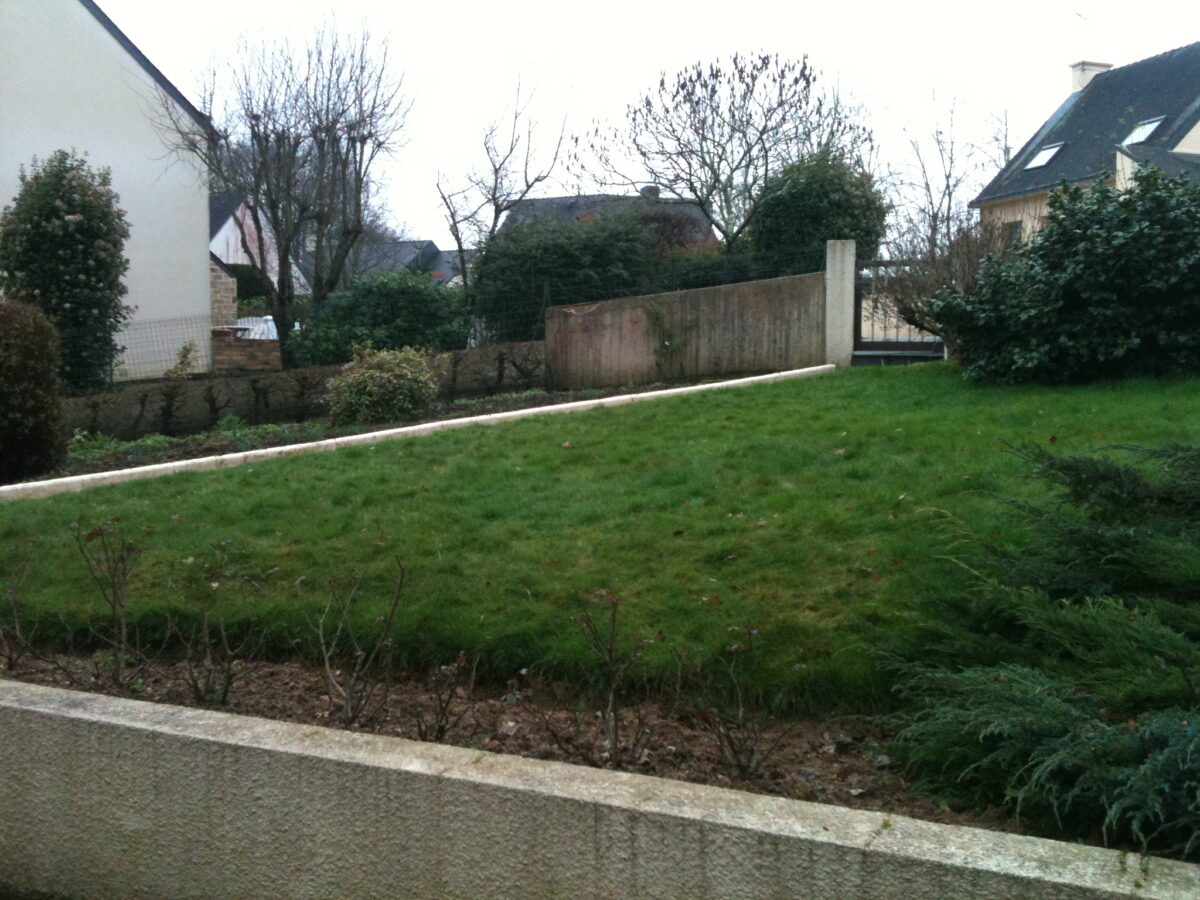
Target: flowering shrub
point(62, 249)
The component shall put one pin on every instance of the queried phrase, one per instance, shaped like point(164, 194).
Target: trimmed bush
point(62, 248)
point(380, 386)
point(1109, 287)
point(808, 203)
point(529, 267)
point(32, 433)
point(389, 311)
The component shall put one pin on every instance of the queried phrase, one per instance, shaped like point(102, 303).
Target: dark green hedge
point(32, 434)
point(1109, 287)
point(389, 311)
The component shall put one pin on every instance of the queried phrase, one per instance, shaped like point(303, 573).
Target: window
point(1043, 156)
point(1010, 234)
point(1141, 131)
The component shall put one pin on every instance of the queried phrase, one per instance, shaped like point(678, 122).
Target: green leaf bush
point(529, 267)
point(381, 386)
point(62, 244)
point(1109, 287)
point(33, 438)
point(389, 311)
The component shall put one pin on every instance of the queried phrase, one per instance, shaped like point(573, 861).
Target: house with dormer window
point(1114, 121)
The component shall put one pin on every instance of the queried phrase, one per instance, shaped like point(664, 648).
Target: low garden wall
point(106, 797)
point(184, 406)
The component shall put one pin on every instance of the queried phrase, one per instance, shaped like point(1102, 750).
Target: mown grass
point(803, 509)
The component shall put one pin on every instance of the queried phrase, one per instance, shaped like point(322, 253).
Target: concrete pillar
point(839, 302)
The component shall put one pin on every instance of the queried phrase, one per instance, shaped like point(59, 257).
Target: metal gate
point(881, 337)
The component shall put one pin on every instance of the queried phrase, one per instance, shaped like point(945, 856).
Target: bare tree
point(716, 133)
point(512, 172)
point(297, 138)
point(937, 236)
point(373, 251)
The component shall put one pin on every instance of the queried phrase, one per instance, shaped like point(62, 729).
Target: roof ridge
point(1137, 62)
point(152, 70)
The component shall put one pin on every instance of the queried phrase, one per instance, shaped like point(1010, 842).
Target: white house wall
point(227, 245)
point(65, 83)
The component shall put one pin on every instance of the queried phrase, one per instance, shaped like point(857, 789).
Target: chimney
point(1084, 71)
point(650, 192)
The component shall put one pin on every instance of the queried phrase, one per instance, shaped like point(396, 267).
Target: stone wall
point(184, 406)
point(223, 289)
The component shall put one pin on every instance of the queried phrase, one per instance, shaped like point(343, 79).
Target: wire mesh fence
point(154, 345)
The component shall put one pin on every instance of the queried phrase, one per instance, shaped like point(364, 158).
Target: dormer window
point(1043, 156)
point(1142, 131)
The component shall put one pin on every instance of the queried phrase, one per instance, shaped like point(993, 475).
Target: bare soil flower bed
point(841, 762)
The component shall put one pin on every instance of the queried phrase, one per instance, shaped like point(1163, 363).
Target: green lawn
point(802, 509)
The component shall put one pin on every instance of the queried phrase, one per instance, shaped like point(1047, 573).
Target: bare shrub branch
point(512, 172)
point(448, 686)
point(111, 559)
point(357, 674)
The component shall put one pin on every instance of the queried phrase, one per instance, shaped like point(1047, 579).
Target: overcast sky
point(905, 63)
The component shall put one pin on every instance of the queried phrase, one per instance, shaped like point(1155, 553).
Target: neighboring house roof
point(152, 70)
point(1091, 125)
point(221, 207)
point(446, 268)
point(585, 207)
point(393, 256)
point(389, 256)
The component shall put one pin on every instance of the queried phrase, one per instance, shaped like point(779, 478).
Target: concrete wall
point(772, 325)
point(105, 798)
point(758, 326)
point(65, 83)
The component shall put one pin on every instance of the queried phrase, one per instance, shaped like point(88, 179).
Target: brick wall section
point(232, 352)
point(223, 291)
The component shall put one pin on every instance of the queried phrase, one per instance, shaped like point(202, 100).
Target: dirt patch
point(841, 762)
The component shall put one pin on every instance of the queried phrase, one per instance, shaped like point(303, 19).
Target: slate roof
point(221, 207)
point(152, 70)
point(582, 207)
point(1171, 163)
point(1092, 123)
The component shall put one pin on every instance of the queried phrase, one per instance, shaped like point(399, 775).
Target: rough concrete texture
point(32, 489)
point(753, 326)
point(103, 797)
point(840, 273)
